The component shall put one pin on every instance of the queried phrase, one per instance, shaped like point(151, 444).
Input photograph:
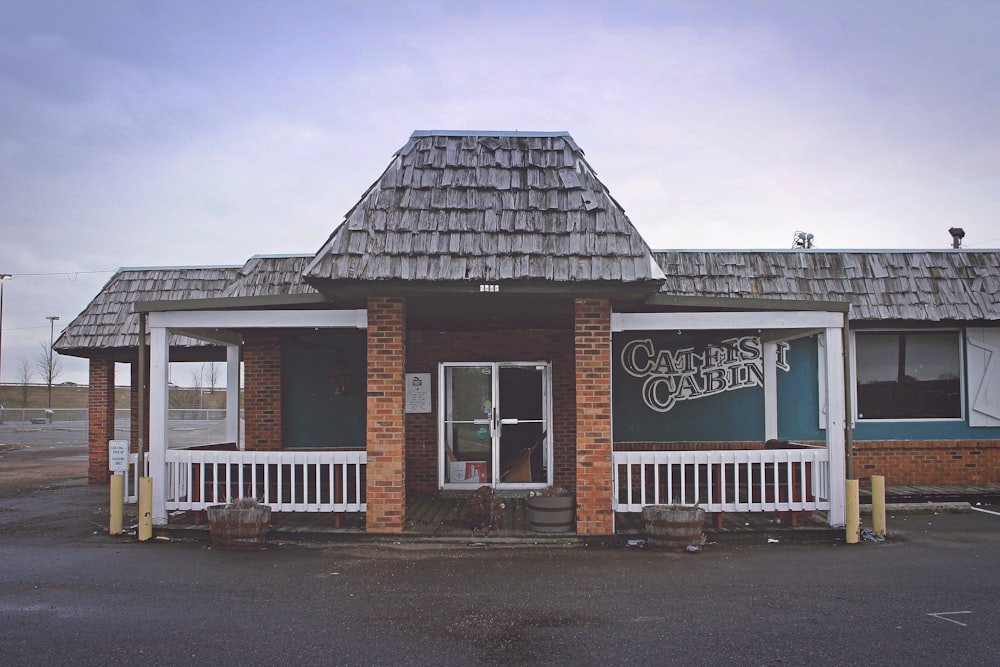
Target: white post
point(835, 421)
point(770, 362)
point(233, 394)
point(159, 360)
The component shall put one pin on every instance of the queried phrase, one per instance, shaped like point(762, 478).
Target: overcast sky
point(139, 133)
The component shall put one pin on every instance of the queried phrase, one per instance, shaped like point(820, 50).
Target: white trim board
point(721, 320)
point(259, 319)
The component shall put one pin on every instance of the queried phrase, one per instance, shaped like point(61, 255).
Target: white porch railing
point(757, 480)
point(132, 478)
point(288, 481)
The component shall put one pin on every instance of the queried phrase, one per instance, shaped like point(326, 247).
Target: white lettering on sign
point(686, 375)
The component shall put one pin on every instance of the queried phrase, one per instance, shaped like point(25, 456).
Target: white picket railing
point(132, 478)
point(288, 481)
point(758, 480)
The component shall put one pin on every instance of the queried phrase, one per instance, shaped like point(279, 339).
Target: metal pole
point(145, 487)
point(852, 530)
point(848, 393)
point(141, 408)
point(52, 331)
point(3, 279)
point(878, 505)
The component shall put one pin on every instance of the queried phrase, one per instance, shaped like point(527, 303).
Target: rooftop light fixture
point(802, 240)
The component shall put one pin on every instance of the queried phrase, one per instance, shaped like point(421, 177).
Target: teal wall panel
point(798, 393)
point(690, 412)
point(706, 387)
point(314, 412)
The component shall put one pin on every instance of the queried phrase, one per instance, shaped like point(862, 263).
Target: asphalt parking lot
point(70, 593)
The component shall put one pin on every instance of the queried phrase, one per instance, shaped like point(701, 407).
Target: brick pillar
point(134, 397)
point(100, 418)
point(386, 487)
point(262, 392)
point(593, 417)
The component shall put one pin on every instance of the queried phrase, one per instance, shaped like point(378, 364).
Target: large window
point(909, 375)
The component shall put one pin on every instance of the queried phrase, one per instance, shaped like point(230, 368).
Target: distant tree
point(198, 383)
point(211, 374)
point(25, 374)
point(48, 365)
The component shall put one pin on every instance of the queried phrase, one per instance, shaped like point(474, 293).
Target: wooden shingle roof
point(109, 323)
point(475, 207)
point(270, 275)
point(917, 285)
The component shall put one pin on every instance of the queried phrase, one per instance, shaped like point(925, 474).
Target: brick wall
point(426, 349)
point(923, 462)
point(262, 391)
point(593, 417)
point(386, 471)
point(101, 418)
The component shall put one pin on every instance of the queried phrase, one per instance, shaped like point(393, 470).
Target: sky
point(182, 133)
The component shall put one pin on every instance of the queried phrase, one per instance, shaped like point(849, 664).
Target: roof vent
point(957, 234)
point(802, 240)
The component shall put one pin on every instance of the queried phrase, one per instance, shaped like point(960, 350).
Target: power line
point(22, 328)
point(70, 275)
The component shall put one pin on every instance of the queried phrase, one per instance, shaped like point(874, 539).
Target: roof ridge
point(488, 133)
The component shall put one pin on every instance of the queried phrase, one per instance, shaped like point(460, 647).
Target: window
point(909, 375)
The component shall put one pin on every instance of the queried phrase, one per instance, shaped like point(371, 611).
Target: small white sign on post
point(118, 456)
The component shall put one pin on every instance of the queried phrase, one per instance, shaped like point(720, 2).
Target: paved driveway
point(71, 594)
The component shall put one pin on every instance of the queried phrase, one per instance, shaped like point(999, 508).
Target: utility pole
point(52, 331)
point(3, 279)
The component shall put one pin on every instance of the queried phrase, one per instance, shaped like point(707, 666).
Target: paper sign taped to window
point(467, 472)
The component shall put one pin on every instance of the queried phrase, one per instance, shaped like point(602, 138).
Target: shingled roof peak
point(468, 206)
point(487, 133)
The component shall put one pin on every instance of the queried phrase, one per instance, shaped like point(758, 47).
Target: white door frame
point(495, 424)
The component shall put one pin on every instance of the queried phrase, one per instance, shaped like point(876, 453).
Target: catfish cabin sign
point(691, 373)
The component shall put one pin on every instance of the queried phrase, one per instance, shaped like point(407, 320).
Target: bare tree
point(25, 374)
point(211, 375)
point(48, 366)
point(198, 383)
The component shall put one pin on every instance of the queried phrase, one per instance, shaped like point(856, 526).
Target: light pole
point(52, 331)
point(3, 279)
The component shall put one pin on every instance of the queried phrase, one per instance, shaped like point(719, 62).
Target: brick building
point(487, 314)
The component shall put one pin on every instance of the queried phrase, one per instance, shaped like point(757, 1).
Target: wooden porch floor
point(439, 516)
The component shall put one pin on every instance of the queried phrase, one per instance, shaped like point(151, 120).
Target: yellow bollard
point(117, 504)
point(145, 508)
point(878, 505)
point(853, 534)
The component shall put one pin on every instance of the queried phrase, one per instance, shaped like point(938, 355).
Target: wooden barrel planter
point(673, 527)
point(551, 515)
point(240, 529)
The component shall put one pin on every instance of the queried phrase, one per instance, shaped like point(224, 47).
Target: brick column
point(100, 418)
point(262, 392)
point(593, 417)
point(386, 486)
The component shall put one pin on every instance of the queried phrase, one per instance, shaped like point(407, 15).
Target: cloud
point(188, 133)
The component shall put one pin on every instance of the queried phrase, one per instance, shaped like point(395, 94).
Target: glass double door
point(494, 424)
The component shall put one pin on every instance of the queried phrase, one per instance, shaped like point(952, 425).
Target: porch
point(438, 517)
point(785, 481)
